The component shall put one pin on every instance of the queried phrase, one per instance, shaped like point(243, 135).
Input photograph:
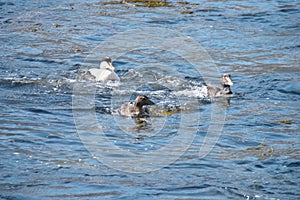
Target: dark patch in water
point(208, 10)
point(37, 110)
point(47, 61)
point(289, 10)
point(17, 197)
point(162, 22)
point(259, 14)
point(294, 164)
point(6, 3)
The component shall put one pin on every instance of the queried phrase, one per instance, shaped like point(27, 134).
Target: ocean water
point(61, 136)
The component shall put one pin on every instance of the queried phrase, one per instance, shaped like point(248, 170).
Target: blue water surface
point(47, 154)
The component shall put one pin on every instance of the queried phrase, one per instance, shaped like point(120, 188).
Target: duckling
point(226, 82)
point(138, 108)
point(105, 72)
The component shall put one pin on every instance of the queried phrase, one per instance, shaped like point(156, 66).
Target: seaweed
point(286, 121)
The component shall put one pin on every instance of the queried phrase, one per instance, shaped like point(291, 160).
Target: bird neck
point(226, 89)
point(138, 106)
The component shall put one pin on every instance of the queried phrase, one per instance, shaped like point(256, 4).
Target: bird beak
point(229, 81)
point(111, 66)
point(149, 102)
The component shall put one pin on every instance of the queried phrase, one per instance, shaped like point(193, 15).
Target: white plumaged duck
point(226, 82)
point(105, 72)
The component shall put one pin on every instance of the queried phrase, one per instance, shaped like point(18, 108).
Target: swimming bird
point(105, 72)
point(138, 108)
point(226, 82)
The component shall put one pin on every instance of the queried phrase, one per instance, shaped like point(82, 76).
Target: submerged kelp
point(144, 3)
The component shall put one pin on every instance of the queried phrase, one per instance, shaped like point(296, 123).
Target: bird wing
point(126, 109)
point(103, 74)
point(95, 73)
point(113, 76)
point(212, 90)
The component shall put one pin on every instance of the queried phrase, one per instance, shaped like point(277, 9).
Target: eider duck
point(226, 82)
point(138, 108)
point(105, 72)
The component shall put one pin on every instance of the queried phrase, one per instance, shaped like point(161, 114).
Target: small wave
point(291, 88)
point(195, 91)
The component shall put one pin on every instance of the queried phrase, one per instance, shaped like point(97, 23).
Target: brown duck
point(138, 108)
